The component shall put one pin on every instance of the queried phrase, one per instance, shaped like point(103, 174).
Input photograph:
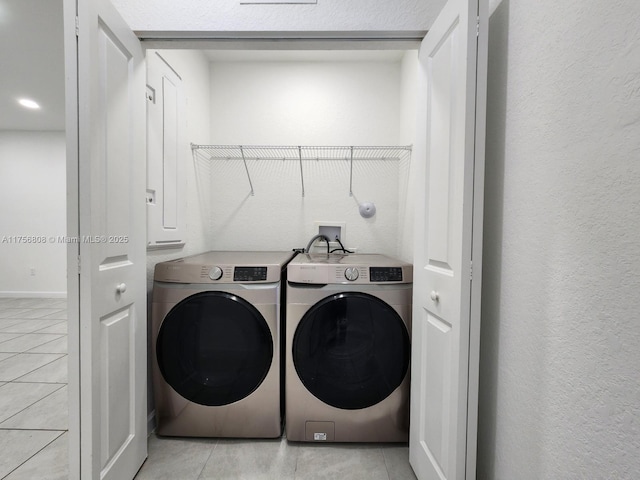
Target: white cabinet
point(166, 150)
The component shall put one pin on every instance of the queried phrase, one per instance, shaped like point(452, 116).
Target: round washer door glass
point(351, 350)
point(214, 348)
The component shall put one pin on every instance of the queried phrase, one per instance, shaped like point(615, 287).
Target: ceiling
point(304, 55)
point(31, 64)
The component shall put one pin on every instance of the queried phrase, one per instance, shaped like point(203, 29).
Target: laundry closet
point(229, 195)
point(255, 150)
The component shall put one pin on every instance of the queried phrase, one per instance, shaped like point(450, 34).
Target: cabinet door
point(446, 307)
point(167, 152)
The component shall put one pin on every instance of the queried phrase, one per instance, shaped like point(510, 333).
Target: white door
point(446, 311)
point(106, 147)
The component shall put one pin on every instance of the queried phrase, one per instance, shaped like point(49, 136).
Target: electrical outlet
point(332, 230)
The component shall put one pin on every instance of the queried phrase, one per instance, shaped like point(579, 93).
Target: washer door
point(214, 348)
point(351, 350)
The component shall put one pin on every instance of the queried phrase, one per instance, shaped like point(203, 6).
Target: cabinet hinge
point(79, 264)
point(470, 270)
point(77, 27)
point(477, 26)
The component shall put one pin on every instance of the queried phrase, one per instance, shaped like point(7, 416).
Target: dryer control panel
point(250, 274)
point(345, 269)
point(385, 274)
point(224, 268)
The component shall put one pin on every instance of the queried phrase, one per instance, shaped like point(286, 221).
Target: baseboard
point(33, 294)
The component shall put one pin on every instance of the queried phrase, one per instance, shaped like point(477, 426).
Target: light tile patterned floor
point(33, 388)
point(237, 459)
point(33, 421)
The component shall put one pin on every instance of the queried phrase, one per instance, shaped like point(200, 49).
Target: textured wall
point(305, 103)
point(560, 354)
point(326, 15)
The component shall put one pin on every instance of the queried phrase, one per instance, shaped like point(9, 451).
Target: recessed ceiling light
point(25, 102)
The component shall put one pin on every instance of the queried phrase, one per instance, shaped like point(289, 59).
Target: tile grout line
point(62, 385)
point(62, 432)
point(204, 465)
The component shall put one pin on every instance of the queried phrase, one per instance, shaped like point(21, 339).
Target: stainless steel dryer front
point(216, 345)
point(347, 348)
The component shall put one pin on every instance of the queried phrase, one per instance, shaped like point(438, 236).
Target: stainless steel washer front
point(347, 348)
point(216, 345)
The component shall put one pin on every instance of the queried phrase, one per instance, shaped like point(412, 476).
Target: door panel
point(110, 118)
point(448, 224)
point(116, 391)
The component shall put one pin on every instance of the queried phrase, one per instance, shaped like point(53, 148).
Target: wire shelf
point(301, 153)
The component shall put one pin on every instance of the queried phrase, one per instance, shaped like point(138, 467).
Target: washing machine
point(216, 344)
point(347, 348)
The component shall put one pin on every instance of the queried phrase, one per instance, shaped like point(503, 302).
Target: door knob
point(435, 296)
point(121, 288)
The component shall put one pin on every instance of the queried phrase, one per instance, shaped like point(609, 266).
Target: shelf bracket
point(244, 160)
point(301, 174)
point(351, 173)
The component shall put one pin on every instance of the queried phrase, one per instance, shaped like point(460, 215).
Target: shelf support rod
point(244, 160)
point(351, 174)
point(301, 174)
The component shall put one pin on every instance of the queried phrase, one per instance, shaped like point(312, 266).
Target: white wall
point(408, 133)
point(193, 68)
point(229, 16)
point(305, 103)
point(560, 354)
point(32, 203)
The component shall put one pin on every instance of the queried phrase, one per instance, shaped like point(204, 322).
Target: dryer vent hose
point(316, 237)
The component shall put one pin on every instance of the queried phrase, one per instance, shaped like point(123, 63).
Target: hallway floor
point(33, 421)
point(33, 388)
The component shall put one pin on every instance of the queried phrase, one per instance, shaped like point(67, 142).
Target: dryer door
point(351, 350)
point(214, 348)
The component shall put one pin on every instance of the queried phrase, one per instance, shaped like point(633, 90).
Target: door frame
point(379, 40)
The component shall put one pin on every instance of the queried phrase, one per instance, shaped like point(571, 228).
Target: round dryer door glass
point(351, 350)
point(214, 348)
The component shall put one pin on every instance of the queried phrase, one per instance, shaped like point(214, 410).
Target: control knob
point(351, 273)
point(215, 273)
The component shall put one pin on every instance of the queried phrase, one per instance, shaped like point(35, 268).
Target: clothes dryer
point(216, 330)
point(347, 348)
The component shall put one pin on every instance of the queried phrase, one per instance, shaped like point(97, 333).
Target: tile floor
point(33, 421)
point(33, 388)
point(237, 459)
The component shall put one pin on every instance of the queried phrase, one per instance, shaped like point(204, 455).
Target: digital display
point(249, 274)
point(385, 274)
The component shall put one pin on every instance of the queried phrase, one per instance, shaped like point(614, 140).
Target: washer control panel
point(249, 274)
point(351, 274)
point(215, 273)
